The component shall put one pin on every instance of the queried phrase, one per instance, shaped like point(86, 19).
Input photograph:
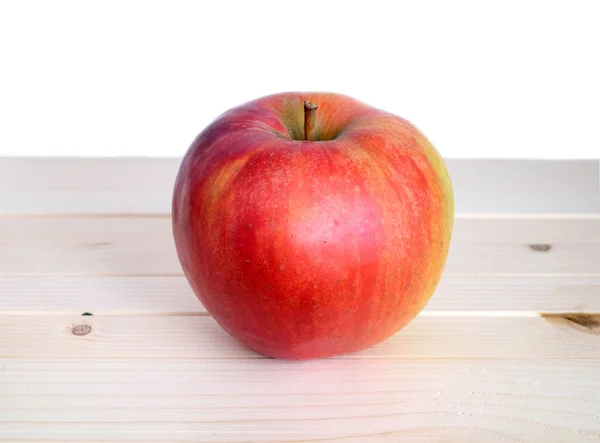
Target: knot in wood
point(540, 247)
point(81, 329)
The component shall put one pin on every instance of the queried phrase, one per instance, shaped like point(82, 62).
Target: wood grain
point(201, 337)
point(478, 364)
point(168, 295)
point(143, 245)
point(375, 400)
point(138, 185)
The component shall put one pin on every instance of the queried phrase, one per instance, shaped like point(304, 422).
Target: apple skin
point(311, 249)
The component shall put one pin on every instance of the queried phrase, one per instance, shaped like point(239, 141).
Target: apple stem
point(310, 112)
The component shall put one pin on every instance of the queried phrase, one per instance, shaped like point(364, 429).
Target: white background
point(487, 79)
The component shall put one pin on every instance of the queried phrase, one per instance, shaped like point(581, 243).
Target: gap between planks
point(458, 216)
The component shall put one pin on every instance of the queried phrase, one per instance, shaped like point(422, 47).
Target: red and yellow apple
point(310, 231)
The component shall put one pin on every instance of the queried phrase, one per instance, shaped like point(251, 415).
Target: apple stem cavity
point(310, 113)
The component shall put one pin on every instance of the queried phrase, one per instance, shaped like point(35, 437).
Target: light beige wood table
point(508, 349)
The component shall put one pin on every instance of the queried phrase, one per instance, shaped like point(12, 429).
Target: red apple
point(311, 248)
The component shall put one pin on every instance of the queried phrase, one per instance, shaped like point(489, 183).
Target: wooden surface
point(143, 245)
point(135, 185)
point(171, 295)
point(508, 349)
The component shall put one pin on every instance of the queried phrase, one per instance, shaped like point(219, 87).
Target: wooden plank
point(168, 295)
point(143, 245)
point(201, 337)
point(527, 229)
point(375, 400)
point(88, 174)
point(78, 202)
point(134, 185)
point(525, 186)
point(87, 245)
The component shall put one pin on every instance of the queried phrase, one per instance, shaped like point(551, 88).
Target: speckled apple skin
point(310, 249)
